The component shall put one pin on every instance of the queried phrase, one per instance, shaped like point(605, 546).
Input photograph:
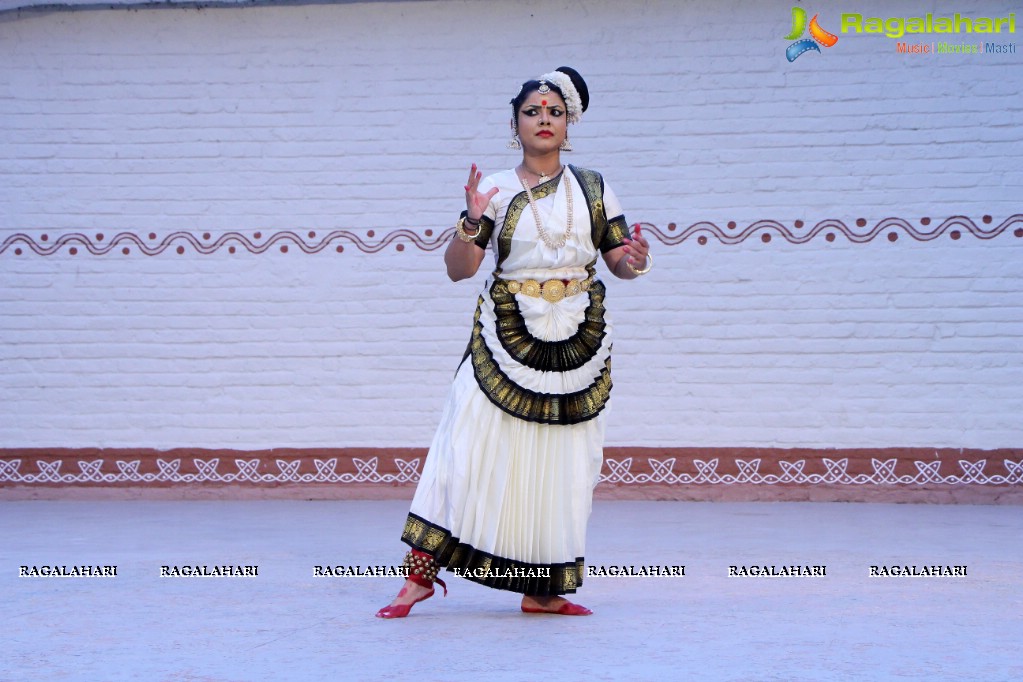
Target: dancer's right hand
point(476, 201)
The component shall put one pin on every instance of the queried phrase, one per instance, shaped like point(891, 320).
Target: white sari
point(507, 486)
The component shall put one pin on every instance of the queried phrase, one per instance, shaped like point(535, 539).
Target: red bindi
point(543, 102)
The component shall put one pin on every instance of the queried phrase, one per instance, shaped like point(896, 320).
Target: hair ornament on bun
point(572, 86)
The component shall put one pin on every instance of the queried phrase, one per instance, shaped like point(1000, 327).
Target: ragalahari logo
point(818, 35)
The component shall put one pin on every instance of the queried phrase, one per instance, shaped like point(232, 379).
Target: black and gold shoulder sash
point(606, 234)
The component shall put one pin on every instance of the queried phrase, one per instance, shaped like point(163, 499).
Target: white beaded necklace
point(544, 236)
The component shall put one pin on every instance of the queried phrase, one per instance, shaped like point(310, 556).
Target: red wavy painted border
point(702, 232)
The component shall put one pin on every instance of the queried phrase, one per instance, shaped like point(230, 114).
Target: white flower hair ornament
point(573, 103)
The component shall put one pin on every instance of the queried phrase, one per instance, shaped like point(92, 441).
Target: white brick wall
point(365, 116)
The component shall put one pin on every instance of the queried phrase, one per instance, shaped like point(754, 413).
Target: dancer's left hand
point(637, 248)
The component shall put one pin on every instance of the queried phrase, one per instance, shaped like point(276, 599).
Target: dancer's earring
point(565, 145)
point(514, 142)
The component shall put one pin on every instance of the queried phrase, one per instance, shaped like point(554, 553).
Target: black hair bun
point(579, 83)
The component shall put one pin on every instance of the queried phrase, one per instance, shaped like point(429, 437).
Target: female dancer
point(507, 486)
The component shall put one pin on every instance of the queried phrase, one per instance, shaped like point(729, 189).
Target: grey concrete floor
point(287, 624)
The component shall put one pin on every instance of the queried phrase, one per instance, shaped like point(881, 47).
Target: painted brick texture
point(293, 122)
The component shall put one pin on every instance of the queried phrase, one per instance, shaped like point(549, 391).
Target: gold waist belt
point(553, 290)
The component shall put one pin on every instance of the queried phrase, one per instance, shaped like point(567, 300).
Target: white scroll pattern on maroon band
point(247, 471)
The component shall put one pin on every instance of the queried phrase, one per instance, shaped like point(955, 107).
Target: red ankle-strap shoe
point(567, 609)
point(422, 570)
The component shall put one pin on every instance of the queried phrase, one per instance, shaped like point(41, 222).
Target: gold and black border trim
point(512, 216)
point(617, 232)
point(543, 408)
point(548, 187)
point(592, 185)
point(486, 231)
point(475, 322)
point(549, 356)
point(489, 569)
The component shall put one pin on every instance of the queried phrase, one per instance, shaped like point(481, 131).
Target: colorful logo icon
point(818, 35)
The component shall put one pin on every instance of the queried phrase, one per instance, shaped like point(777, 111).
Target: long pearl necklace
point(544, 236)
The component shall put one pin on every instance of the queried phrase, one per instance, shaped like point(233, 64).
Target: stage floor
point(287, 624)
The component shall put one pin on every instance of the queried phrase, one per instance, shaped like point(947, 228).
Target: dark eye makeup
point(535, 111)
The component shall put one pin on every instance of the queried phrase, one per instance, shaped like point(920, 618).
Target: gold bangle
point(462, 234)
point(649, 264)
